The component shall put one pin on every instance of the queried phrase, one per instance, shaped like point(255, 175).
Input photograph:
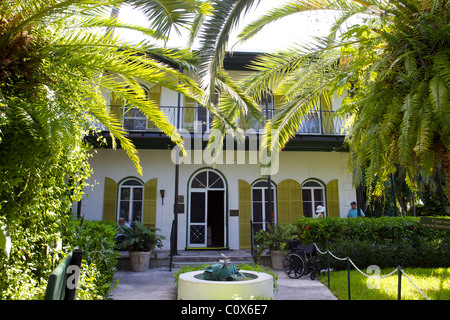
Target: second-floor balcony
point(198, 120)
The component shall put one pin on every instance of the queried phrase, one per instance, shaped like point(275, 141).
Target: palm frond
point(214, 38)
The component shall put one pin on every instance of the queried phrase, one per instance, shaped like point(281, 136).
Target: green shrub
point(97, 240)
point(385, 242)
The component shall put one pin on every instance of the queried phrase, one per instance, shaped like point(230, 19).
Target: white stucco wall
point(299, 166)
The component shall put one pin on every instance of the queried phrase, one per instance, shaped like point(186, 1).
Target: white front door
point(207, 211)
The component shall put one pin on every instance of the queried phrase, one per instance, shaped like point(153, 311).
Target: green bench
point(62, 283)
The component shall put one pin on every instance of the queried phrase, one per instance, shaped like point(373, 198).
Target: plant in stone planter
point(140, 241)
point(275, 240)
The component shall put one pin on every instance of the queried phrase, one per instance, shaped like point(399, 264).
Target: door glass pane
point(198, 207)
point(200, 180)
point(197, 234)
point(214, 180)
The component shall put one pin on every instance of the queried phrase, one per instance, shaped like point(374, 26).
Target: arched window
point(130, 200)
point(313, 195)
point(261, 213)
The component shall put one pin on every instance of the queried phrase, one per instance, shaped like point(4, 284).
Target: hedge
point(385, 242)
point(100, 257)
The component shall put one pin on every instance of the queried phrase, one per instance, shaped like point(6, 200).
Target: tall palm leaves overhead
point(167, 15)
point(54, 46)
point(390, 58)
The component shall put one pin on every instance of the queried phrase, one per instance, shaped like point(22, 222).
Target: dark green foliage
point(97, 240)
point(385, 242)
point(140, 238)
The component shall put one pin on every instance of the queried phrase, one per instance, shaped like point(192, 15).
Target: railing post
point(348, 276)
point(399, 283)
point(328, 267)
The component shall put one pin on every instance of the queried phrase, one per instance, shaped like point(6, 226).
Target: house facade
point(217, 205)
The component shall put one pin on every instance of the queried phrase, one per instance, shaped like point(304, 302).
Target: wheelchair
point(301, 260)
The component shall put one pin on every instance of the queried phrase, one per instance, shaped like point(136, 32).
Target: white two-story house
point(216, 204)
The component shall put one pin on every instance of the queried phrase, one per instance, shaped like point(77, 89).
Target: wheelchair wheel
point(294, 265)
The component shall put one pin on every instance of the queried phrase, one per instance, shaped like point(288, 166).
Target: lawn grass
point(434, 283)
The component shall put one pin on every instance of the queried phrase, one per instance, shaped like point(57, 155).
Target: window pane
point(318, 195)
point(198, 207)
point(257, 212)
point(137, 211)
point(125, 194)
point(266, 194)
point(260, 184)
point(257, 195)
point(257, 226)
point(125, 210)
point(137, 194)
point(132, 183)
point(307, 210)
point(269, 213)
point(312, 184)
point(306, 195)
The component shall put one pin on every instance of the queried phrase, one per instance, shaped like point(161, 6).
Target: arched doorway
point(207, 223)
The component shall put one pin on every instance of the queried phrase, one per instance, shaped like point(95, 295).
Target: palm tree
point(394, 64)
point(61, 45)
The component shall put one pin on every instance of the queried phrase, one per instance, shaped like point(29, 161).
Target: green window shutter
point(154, 94)
point(150, 198)
point(110, 200)
point(189, 114)
point(245, 214)
point(333, 199)
point(327, 115)
point(115, 105)
point(289, 198)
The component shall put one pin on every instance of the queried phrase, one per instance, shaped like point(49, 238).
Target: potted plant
point(275, 240)
point(140, 241)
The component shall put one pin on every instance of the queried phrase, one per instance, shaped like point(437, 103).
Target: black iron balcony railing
point(198, 120)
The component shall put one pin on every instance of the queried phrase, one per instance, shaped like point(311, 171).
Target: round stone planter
point(140, 260)
point(192, 287)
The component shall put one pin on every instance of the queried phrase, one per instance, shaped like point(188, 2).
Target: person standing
point(353, 212)
point(320, 211)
